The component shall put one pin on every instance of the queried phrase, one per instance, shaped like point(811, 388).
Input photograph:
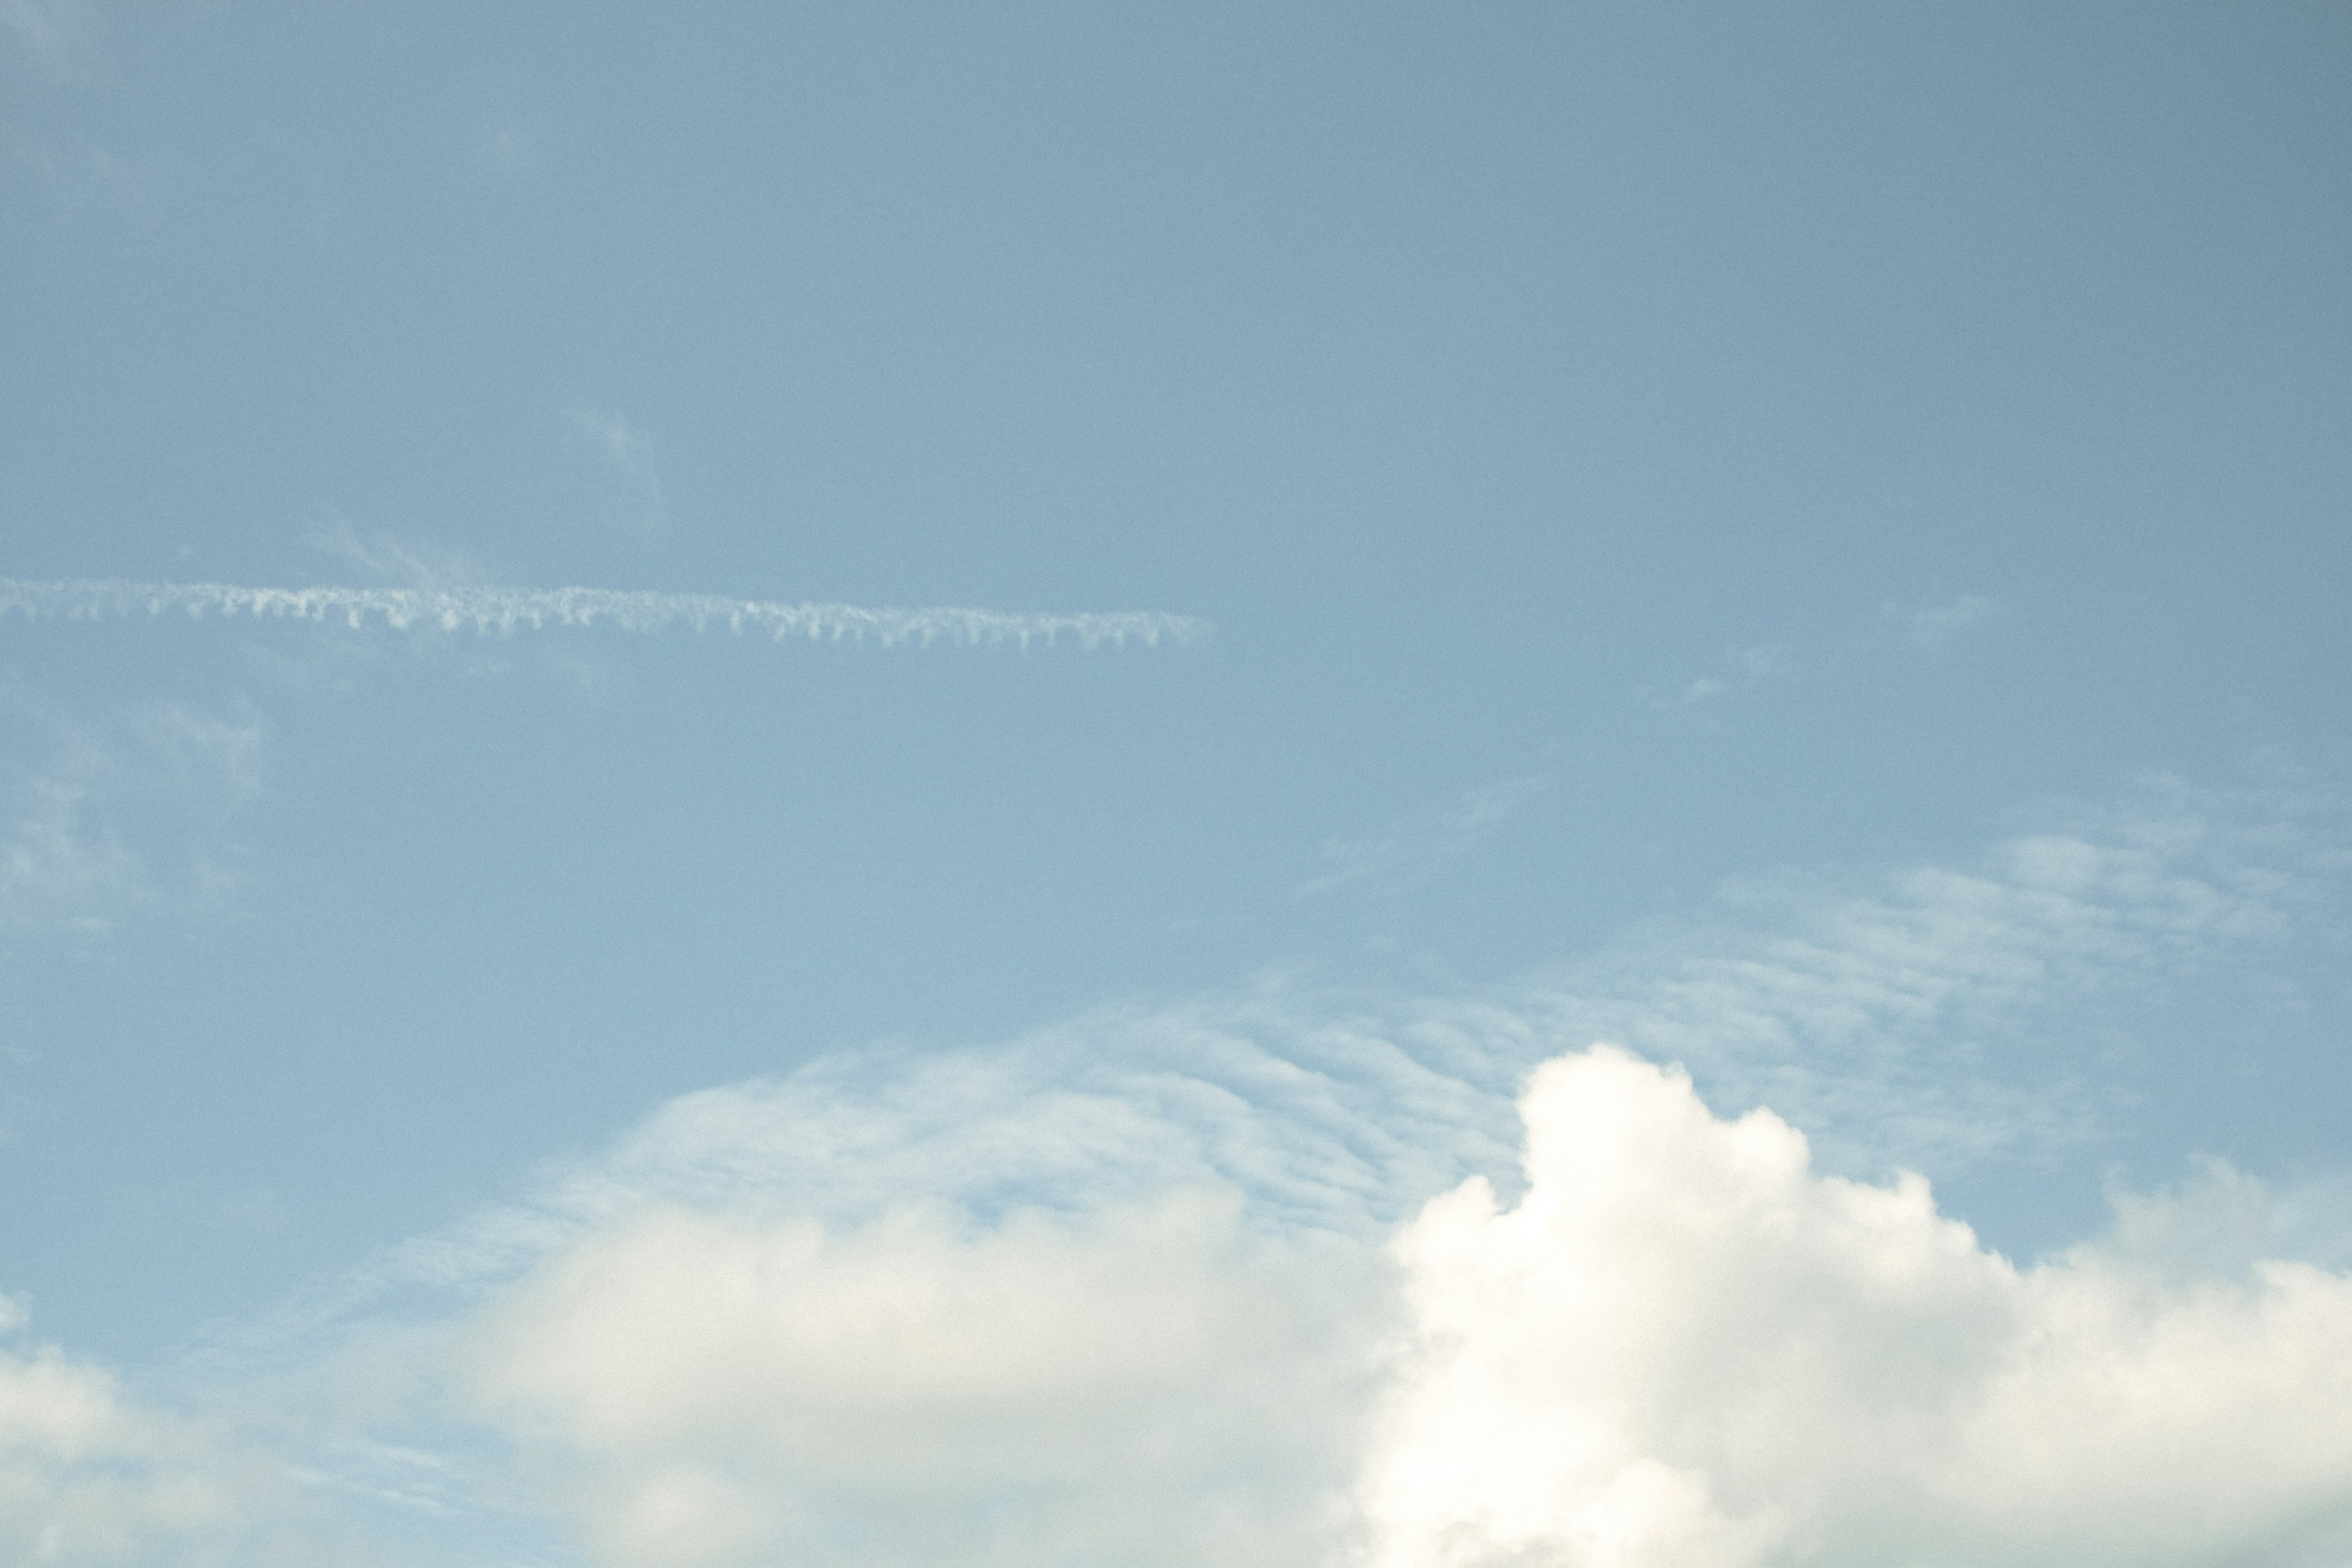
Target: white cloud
point(1682, 1347)
point(1146, 1384)
point(1417, 848)
point(85, 1477)
point(504, 611)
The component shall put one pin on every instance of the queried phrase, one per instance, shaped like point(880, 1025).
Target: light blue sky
point(1807, 541)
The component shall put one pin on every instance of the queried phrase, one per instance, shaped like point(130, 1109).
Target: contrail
point(502, 611)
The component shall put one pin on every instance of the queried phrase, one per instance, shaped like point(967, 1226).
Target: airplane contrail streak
point(503, 611)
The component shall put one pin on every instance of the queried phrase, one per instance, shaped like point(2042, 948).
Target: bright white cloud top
point(1684, 1346)
point(502, 612)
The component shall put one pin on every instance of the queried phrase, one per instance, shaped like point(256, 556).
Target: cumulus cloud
point(504, 611)
point(1147, 1384)
point(1680, 1346)
point(1681, 1343)
point(1684, 1346)
point(88, 1476)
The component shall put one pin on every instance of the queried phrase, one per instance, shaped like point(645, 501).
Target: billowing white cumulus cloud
point(1146, 1385)
point(504, 611)
point(1684, 1347)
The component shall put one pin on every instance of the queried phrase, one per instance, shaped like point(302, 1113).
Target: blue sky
point(1806, 544)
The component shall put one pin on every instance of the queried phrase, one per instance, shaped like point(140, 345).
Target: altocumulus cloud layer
point(1289, 1276)
point(504, 611)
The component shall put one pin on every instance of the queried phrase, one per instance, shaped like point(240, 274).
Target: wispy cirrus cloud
point(504, 611)
point(1418, 847)
point(396, 560)
point(1932, 626)
point(111, 821)
point(1908, 1013)
point(1743, 668)
point(627, 453)
point(74, 861)
point(1920, 627)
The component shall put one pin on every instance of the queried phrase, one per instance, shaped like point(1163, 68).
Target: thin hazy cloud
point(1417, 848)
point(45, 27)
point(504, 611)
point(1933, 625)
point(627, 449)
point(1744, 668)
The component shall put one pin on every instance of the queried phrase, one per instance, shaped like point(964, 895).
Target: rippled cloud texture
point(1289, 1275)
point(505, 611)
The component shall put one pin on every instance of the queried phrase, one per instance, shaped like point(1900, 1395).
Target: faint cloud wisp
point(1419, 847)
point(635, 505)
point(74, 862)
point(1925, 627)
point(1933, 625)
point(390, 559)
